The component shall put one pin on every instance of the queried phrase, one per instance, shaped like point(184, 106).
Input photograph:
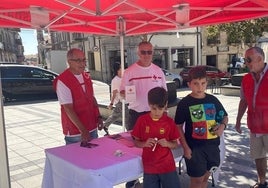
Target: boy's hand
point(218, 130)
point(187, 153)
point(163, 142)
point(150, 142)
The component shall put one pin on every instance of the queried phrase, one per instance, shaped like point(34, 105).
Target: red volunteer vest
point(83, 103)
point(257, 117)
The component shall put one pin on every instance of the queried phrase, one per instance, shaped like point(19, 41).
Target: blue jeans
point(75, 139)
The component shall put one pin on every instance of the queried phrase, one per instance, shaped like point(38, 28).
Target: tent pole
point(122, 69)
point(121, 28)
point(4, 170)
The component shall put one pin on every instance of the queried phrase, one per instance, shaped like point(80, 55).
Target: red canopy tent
point(118, 18)
point(125, 17)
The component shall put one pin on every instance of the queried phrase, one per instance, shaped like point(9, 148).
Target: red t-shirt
point(161, 159)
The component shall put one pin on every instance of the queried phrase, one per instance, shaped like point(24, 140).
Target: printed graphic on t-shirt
point(147, 129)
point(161, 130)
point(203, 118)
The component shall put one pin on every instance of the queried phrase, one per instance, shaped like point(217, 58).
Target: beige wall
point(222, 56)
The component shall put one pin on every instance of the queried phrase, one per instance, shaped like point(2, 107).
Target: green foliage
point(213, 31)
point(237, 32)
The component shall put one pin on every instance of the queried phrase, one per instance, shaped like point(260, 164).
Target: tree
point(213, 33)
point(245, 31)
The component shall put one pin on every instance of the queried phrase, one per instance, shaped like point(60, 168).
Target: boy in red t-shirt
point(157, 134)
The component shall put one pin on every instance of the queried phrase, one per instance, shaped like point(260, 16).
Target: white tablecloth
point(73, 166)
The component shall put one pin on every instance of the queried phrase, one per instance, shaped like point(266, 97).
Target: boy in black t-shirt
point(204, 119)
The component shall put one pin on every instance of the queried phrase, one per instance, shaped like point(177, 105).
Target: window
point(12, 72)
point(36, 73)
point(160, 58)
point(26, 72)
point(182, 57)
point(211, 60)
point(115, 58)
point(91, 61)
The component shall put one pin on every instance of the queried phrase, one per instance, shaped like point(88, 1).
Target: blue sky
point(29, 41)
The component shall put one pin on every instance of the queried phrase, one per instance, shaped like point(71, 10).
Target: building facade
point(173, 50)
point(11, 48)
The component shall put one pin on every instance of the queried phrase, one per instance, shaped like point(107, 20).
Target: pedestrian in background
point(143, 76)
point(254, 97)
point(201, 120)
point(116, 100)
point(80, 116)
point(157, 134)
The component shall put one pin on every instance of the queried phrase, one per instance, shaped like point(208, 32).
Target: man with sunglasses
point(254, 97)
point(80, 116)
point(143, 76)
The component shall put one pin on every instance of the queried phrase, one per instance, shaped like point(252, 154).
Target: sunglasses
point(143, 52)
point(78, 60)
point(247, 60)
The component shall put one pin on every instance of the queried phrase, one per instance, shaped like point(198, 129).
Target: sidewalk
point(31, 128)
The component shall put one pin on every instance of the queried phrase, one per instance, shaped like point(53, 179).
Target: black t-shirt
point(200, 116)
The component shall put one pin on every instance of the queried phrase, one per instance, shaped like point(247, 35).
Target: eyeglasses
point(78, 60)
point(143, 52)
point(247, 60)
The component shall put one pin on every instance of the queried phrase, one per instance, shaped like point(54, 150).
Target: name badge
point(130, 92)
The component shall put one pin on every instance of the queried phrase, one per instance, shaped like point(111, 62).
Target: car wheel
point(178, 83)
point(6, 97)
point(3, 97)
point(184, 83)
point(236, 80)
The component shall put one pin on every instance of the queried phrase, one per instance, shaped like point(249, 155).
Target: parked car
point(236, 79)
point(212, 72)
point(24, 81)
point(173, 77)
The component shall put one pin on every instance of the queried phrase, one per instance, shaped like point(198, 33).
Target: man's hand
point(85, 136)
point(238, 127)
point(100, 123)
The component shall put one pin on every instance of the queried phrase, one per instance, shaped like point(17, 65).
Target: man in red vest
point(254, 97)
point(80, 116)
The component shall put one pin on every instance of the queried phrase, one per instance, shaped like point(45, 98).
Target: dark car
point(24, 81)
point(236, 79)
point(212, 72)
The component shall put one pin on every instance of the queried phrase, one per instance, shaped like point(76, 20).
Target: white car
point(173, 77)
